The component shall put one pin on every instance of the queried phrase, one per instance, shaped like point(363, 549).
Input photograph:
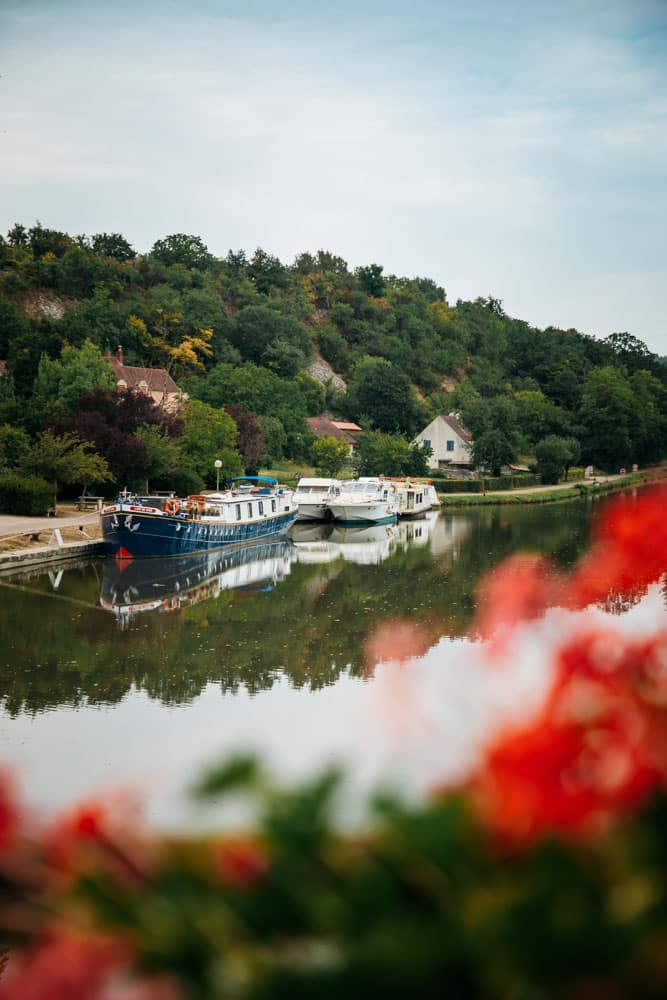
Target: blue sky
point(515, 149)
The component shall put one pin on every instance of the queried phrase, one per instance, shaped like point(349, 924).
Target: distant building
point(451, 443)
point(341, 430)
point(154, 382)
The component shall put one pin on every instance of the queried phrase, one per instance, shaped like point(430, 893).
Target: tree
point(378, 454)
point(492, 449)
point(180, 248)
point(251, 441)
point(382, 393)
point(371, 279)
point(64, 459)
point(537, 416)
point(77, 371)
point(208, 435)
point(264, 336)
point(112, 245)
point(329, 455)
point(14, 443)
point(607, 414)
point(554, 455)
point(162, 453)
point(110, 419)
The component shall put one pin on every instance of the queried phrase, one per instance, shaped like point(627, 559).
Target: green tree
point(378, 454)
point(14, 443)
point(64, 459)
point(492, 449)
point(209, 434)
point(381, 393)
point(180, 248)
point(313, 393)
point(66, 379)
point(112, 245)
point(538, 417)
point(163, 454)
point(554, 454)
point(329, 456)
point(607, 414)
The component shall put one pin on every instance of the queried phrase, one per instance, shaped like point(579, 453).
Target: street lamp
point(218, 466)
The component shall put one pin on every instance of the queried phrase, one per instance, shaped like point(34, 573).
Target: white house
point(450, 442)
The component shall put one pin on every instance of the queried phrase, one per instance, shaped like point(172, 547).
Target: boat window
point(261, 507)
point(238, 512)
point(249, 510)
point(273, 505)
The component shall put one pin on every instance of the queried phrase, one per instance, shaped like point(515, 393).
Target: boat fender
point(171, 506)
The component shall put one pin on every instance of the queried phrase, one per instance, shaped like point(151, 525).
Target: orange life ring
point(172, 506)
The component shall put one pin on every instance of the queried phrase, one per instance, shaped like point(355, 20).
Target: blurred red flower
point(64, 966)
point(240, 861)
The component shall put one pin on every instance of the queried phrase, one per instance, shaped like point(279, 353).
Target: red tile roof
point(155, 379)
point(324, 427)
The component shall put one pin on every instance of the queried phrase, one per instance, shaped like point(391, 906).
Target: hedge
point(490, 484)
point(29, 495)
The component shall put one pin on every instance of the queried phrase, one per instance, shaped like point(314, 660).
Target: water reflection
point(130, 587)
point(299, 609)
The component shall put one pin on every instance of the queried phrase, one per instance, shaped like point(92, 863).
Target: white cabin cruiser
point(312, 497)
point(413, 499)
point(367, 500)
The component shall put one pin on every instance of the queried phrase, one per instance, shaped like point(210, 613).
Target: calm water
point(141, 674)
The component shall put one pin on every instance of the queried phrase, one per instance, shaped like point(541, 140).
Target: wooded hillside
point(240, 332)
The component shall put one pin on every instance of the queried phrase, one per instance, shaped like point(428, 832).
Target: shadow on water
point(300, 608)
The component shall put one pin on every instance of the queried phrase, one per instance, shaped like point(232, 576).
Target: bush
point(30, 495)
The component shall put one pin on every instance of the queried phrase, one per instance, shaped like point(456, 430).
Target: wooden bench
point(89, 503)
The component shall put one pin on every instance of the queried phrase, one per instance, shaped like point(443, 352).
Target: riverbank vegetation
point(259, 345)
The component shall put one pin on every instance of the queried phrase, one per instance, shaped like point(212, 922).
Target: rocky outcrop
point(321, 371)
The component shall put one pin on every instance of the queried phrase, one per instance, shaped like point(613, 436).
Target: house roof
point(155, 379)
point(344, 425)
point(324, 427)
point(457, 427)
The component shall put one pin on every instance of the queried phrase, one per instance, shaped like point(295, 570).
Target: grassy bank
point(557, 494)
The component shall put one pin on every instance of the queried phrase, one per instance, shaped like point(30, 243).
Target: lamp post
point(218, 466)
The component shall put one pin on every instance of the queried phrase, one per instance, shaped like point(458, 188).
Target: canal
point(137, 675)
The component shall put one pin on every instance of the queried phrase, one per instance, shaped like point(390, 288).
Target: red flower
point(519, 589)
point(109, 830)
point(9, 814)
point(630, 549)
point(64, 966)
point(596, 749)
point(241, 862)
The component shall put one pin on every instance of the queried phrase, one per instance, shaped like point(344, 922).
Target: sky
point(514, 149)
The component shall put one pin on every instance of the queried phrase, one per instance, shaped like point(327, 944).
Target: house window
point(427, 442)
point(450, 446)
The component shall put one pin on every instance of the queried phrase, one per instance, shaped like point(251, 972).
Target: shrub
point(29, 495)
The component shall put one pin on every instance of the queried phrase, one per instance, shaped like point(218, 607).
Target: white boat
point(367, 500)
point(312, 497)
point(432, 495)
point(413, 499)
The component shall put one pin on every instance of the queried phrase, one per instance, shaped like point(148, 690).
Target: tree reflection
point(302, 611)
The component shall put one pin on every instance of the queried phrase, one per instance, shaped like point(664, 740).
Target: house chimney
point(120, 355)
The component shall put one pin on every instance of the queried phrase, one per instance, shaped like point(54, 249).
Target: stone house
point(154, 382)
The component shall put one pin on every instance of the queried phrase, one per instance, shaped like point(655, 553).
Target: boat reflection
point(367, 545)
point(130, 587)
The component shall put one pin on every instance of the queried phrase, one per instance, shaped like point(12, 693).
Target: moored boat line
point(254, 507)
